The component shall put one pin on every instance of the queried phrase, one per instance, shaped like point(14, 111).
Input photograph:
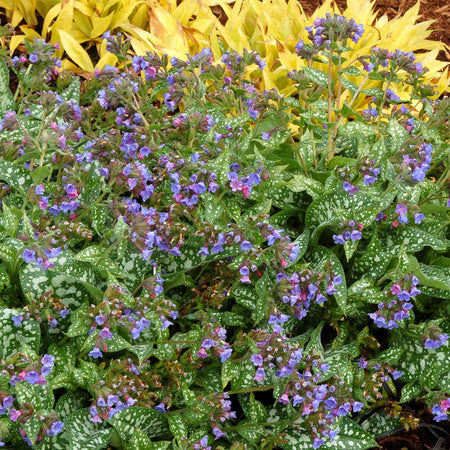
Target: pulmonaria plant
point(204, 264)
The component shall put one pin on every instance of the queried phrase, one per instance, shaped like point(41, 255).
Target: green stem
point(339, 89)
point(253, 389)
point(330, 107)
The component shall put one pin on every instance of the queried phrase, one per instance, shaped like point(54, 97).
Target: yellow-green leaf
point(75, 51)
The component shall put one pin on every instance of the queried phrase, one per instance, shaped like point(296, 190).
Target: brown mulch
point(438, 10)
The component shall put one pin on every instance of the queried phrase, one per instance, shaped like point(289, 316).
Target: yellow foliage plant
point(271, 27)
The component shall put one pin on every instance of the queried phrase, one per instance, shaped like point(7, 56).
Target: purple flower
point(246, 245)
point(225, 354)
point(357, 406)
point(218, 433)
point(14, 414)
point(318, 442)
point(95, 353)
point(256, 359)
point(28, 255)
point(55, 428)
point(32, 377)
point(48, 360)
point(161, 408)
point(207, 343)
point(17, 320)
point(432, 344)
point(105, 333)
point(418, 218)
point(355, 235)
point(8, 401)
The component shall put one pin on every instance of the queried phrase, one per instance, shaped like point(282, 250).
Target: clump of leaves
point(189, 261)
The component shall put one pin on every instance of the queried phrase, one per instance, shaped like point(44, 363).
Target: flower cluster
point(327, 30)
point(351, 231)
point(440, 410)
point(219, 407)
point(33, 372)
point(397, 306)
point(391, 61)
point(433, 337)
point(415, 162)
point(301, 289)
point(215, 342)
point(106, 408)
point(45, 309)
point(243, 184)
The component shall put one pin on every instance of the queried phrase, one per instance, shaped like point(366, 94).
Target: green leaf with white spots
point(251, 432)
point(177, 426)
point(84, 434)
point(339, 361)
point(420, 364)
point(434, 276)
point(8, 253)
point(132, 265)
point(350, 248)
point(80, 322)
point(257, 411)
point(40, 396)
point(72, 92)
point(365, 290)
point(355, 128)
point(301, 183)
point(72, 281)
point(397, 133)
point(65, 355)
point(120, 228)
point(316, 76)
point(228, 372)
point(380, 423)
point(6, 97)
point(9, 220)
point(69, 403)
point(115, 344)
point(315, 341)
point(32, 427)
point(99, 217)
point(283, 197)
point(411, 391)
point(374, 262)
point(143, 351)
point(86, 374)
point(4, 277)
point(153, 423)
point(12, 337)
point(59, 442)
point(338, 206)
point(413, 239)
point(96, 256)
point(140, 441)
point(246, 296)
point(15, 175)
point(264, 289)
point(243, 376)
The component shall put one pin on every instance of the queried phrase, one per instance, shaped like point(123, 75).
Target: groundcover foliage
point(188, 262)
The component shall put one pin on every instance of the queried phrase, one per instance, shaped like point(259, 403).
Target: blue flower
point(17, 320)
point(28, 255)
point(95, 353)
